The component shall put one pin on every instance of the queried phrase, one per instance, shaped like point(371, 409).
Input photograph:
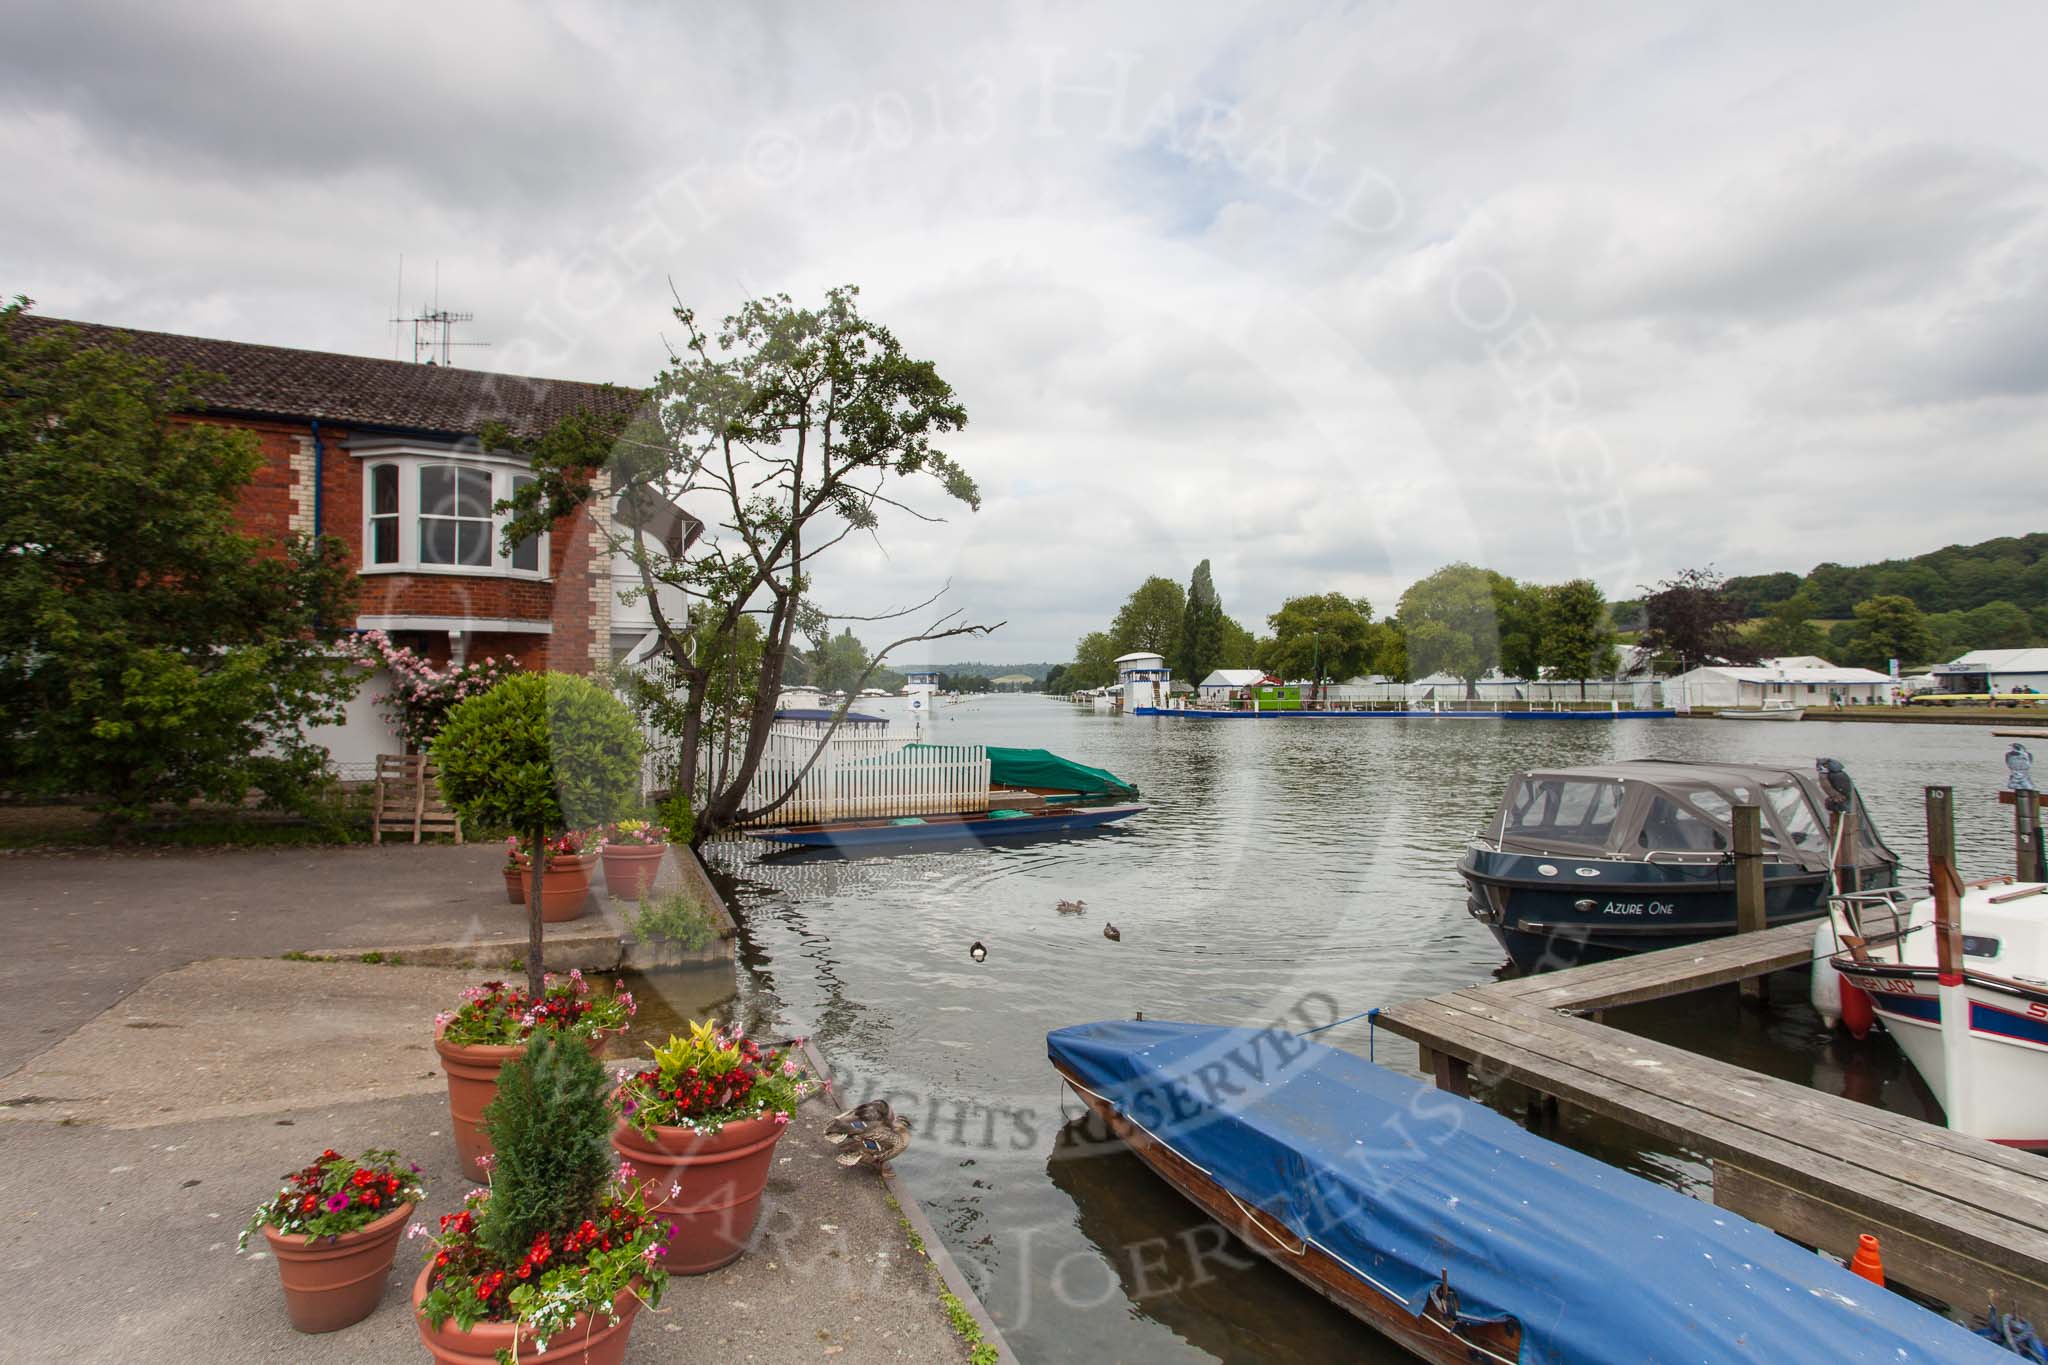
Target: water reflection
point(1276, 863)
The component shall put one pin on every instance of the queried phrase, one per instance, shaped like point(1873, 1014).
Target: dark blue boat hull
point(865, 837)
point(1594, 910)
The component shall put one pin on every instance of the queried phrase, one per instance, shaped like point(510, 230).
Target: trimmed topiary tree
point(540, 754)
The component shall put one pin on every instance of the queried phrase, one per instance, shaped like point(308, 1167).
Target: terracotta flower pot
point(515, 883)
point(592, 1339)
point(472, 1084)
point(336, 1281)
point(630, 869)
point(565, 893)
point(718, 1182)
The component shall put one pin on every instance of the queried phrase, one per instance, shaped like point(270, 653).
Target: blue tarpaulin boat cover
point(1405, 1184)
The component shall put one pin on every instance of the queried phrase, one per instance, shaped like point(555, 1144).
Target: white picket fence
point(867, 777)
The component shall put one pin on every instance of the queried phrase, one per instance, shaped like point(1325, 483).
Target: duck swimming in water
point(1109, 931)
point(1071, 907)
point(976, 951)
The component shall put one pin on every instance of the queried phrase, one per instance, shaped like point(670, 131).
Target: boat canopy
point(1410, 1187)
point(1638, 807)
point(1041, 768)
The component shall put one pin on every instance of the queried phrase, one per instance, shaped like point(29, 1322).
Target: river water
point(1284, 871)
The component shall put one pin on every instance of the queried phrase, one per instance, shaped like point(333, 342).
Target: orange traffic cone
point(1867, 1262)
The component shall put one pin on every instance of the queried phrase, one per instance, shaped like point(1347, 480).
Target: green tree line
point(1462, 620)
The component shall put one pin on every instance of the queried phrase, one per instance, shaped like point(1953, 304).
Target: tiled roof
point(278, 381)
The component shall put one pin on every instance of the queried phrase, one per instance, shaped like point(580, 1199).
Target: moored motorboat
point(972, 827)
point(1990, 1074)
point(1586, 864)
point(1454, 1232)
point(1778, 709)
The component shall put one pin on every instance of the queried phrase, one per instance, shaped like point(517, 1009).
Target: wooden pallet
point(409, 796)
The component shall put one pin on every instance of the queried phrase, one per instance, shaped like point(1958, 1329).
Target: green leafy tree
point(1787, 629)
point(1150, 618)
point(1391, 660)
point(1997, 625)
point(840, 663)
point(1094, 662)
point(1693, 619)
point(1447, 624)
point(150, 651)
point(540, 754)
point(1577, 641)
point(1201, 629)
point(1056, 680)
point(1887, 628)
point(1519, 615)
point(1323, 635)
point(1240, 648)
point(800, 427)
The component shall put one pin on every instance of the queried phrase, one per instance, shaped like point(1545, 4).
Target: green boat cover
point(1044, 768)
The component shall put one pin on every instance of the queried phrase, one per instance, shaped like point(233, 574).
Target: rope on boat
point(1371, 1017)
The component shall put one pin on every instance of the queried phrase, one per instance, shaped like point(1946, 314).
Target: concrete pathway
point(165, 1069)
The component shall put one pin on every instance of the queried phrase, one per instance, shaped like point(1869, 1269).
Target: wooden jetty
point(1960, 1218)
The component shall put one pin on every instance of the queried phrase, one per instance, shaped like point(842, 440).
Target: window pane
point(1671, 827)
point(526, 554)
point(1788, 803)
point(1579, 812)
point(384, 490)
point(475, 543)
point(384, 540)
point(437, 489)
point(437, 541)
point(472, 493)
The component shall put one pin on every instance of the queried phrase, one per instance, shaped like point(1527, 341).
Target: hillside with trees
point(1925, 609)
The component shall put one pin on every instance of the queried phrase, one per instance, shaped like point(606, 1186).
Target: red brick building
point(384, 456)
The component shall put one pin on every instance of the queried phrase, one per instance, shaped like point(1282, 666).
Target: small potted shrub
point(540, 754)
point(515, 872)
point(334, 1230)
point(493, 1025)
point(567, 893)
point(557, 1254)
point(701, 1125)
point(632, 851)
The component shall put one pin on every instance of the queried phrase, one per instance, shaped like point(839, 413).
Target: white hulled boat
point(1978, 1033)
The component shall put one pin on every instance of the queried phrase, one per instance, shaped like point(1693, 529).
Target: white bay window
point(433, 510)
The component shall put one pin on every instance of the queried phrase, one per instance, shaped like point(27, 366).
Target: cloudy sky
point(1328, 294)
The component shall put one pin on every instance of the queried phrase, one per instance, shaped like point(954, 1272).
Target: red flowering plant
point(709, 1079)
point(338, 1194)
point(566, 844)
point(502, 1015)
point(557, 1234)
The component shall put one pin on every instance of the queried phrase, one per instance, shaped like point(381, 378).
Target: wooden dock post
point(2026, 834)
point(1749, 884)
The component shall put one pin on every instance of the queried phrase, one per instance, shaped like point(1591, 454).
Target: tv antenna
point(433, 328)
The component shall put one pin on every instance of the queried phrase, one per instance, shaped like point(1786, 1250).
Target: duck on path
point(863, 1118)
point(878, 1146)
